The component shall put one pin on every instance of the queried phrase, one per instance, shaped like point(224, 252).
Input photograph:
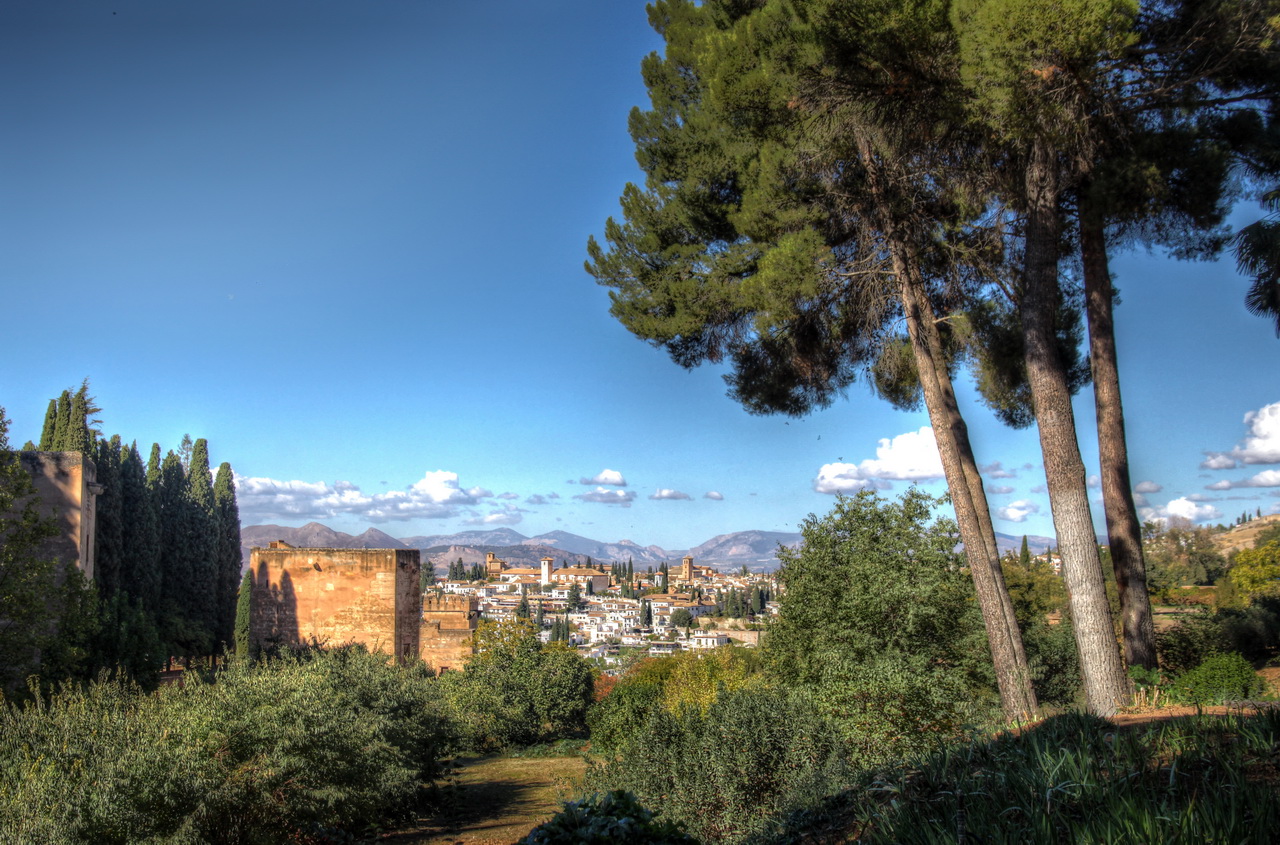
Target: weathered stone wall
point(66, 483)
point(337, 596)
point(448, 623)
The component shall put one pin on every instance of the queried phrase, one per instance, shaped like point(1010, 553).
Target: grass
point(497, 800)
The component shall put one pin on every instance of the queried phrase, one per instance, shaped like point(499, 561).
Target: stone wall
point(66, 483)
point(336, 596)
point(448, 623)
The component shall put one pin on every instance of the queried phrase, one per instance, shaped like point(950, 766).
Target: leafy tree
point(1256, 571)
point(515, 692)
point(575, 597)
point(27, 574)
point(681, 618)
point(878, 623)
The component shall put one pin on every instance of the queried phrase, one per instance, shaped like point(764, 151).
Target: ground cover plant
point(1073, 778)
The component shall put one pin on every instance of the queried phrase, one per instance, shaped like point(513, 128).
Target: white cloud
point(610, 477)
point(1266, 478)
point(1182, 508)
point(608, 497)
point(1200, 497)
point(912, 456)
point(664, 493)
point(713, 495)
point(1261, 444)
point(999, 490)
point(996, 469)
point(1147, 487)
point(1018, 511)
point(508, 496)
point(1040, 488)
point(509, 515)
point(1140, 500)
point(1093, 482)
point(436, 496)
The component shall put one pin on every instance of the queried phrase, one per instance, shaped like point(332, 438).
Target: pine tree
point(228, 554)
point(244, 617)
point(47, 434)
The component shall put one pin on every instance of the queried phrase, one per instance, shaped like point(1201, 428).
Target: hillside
point(1244, 536)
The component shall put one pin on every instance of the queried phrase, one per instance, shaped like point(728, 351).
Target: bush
point(1253, 631)
point(337, 740)
point(722, 775)
point(1054, 663)
point(613, 818)
point(516, 692)
point(1222, 677)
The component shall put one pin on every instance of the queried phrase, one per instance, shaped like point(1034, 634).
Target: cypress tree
point(244, 615)
point(140, 554)
point(229, 556)
point(180, 630)
point(203, 544)
point(109, 519)
point(76, 437)
point(62, 428)
point(646, 614)
point(154, 477)
point(1024, 557)
point(50, 426)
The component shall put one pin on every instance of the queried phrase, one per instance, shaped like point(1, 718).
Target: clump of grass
point(1074, 778)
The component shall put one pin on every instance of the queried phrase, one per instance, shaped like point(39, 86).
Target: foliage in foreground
point(516, 692)
point(612, 818)
point(721, 774)
point(879, 624)
point(334, 740)
point(1073, 779)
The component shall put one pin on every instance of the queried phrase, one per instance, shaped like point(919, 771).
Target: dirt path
point(499, 800)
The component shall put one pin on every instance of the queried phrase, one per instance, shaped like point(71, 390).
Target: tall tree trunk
point(1106, 687)
point(1124, 533)
point(1018, 699)
point(1013, 678)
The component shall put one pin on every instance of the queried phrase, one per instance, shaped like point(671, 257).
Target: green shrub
point(1221, 677)
point(612, 818)
point(337, 740)
point(722, 775)
point(516, 692)
point(1054, 663)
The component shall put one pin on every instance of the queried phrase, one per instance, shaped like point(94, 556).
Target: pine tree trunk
point(1008, 657)
point(1124, 532)
point(1106, 687)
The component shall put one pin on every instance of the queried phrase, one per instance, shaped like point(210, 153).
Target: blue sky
point(344, 242)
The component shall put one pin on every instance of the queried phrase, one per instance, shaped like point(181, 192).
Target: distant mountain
point(313, 535)
point(1036, 544)
point(621, 550)
point(523, 555)
point(754, 549)
point(489, 537)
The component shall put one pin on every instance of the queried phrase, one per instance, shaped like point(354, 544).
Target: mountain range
point(754, 549)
